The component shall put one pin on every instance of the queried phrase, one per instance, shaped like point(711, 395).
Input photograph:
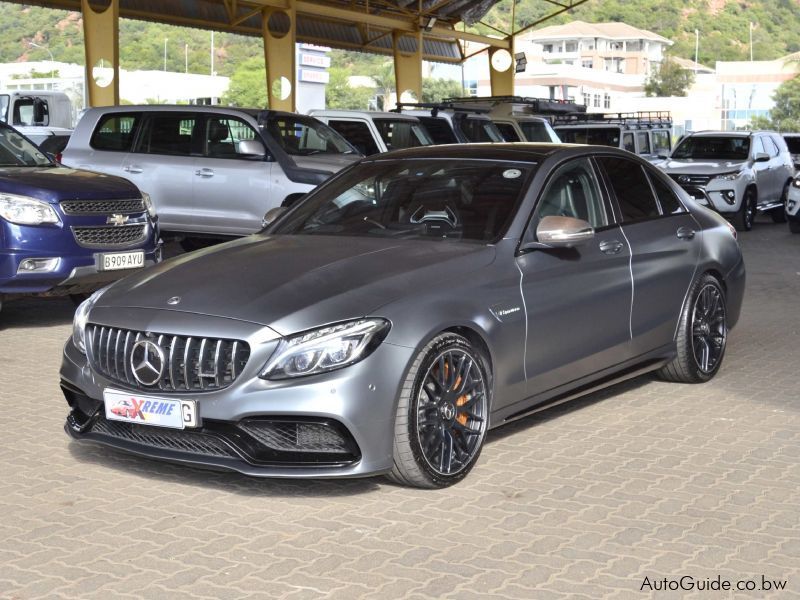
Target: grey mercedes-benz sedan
point(385, 323)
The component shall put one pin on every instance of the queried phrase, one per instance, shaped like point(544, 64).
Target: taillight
point(58, 157)
point(733, 230)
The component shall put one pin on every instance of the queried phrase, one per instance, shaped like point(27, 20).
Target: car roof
point(724, 133)
point(192, 108)
point(509, 151)
point(373, 114)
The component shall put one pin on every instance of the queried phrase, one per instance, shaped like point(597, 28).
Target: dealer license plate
point(115, 261)
point(149, 410)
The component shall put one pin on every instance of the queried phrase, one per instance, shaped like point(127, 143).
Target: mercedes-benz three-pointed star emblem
point(147, 362)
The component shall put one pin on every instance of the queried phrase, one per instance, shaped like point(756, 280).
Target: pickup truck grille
point(102, 207)
point(185, 364)
point(684, 179)
point(112, 236)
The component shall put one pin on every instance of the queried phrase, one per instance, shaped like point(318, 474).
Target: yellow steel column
point(408, 68)
point(101, 48)
point(279, 31)
point(501, 70)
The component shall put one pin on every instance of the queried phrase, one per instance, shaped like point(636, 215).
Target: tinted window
point(480, 130)
point(509, 134)
point(223, 137)
point(661, 142)
point(167, 134)
point(303, 136)
point(670, 205)
point(644, 142)
point(357, 133)
point(631, 188)
point(573, 191)
point(537, 131)
point(401, 133)
point(439, 129)
point(415, 199)
point(772, 148)
point(596, 136)
point(794, 144)
point(115, 132)
point(628, 143)
point(705, 146)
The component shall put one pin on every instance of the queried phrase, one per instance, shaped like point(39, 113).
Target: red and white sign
point(314, 76)
point(315, 60)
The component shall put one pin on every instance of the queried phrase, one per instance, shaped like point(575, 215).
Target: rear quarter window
point(115, 132)
point(439, 129)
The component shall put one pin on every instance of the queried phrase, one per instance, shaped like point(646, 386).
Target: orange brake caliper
point(460, 401)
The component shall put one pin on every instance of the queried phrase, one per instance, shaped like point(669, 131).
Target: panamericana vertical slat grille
point(190, 364)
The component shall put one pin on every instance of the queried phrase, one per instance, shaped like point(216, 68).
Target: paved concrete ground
point(647, 479)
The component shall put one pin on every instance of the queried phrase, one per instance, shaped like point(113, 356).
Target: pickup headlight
point(82, 317)
point(325, 349)
point(796, 182)
point(23, 210)
point(732, 176)
point(148, 204)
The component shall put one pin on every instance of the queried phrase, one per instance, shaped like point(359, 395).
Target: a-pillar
point(408, 67)
point(101, 47)
point(279, 31)
point(501, 71)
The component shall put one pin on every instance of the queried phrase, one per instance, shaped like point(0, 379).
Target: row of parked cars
point(130, 175)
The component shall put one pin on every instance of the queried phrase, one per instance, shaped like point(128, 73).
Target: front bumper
point(793, 203)
point(723, 197)
point(339, 424)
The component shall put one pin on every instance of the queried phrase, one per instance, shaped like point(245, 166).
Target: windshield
point(439, 199)
point(595, 136)
point(719, 148)
point(400, 133)
point(538, 131)
point(480, 130)
point(4, 99)
point(303, 136)
point(16, 151)
point(793, 142)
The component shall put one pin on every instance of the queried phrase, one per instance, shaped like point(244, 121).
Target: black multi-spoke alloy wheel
point(744, 217)
point(442, 414)
point(702, 334)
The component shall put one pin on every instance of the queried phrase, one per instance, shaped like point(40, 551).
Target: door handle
point(132, 169)
point(611, 246)
point(204, 172)
point(685, 233)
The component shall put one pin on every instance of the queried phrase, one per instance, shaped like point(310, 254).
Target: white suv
point(793, 205)
point(737, 173)
point(373, 132)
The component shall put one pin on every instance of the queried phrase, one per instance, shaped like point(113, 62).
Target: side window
point(772, 148)
point(169, 133)
point(670, 205)
point(758, 146)
point(630, 185)
point(573, 191)
point(643, 137)
point(507, 129)
point(661, 142)
point(224, 137)
point(115, 132)
point(439, 129)
point(627, 142)
point(358, 134)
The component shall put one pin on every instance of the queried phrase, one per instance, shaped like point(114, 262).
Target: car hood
point(292, 283)
point(701, 167)
point(326, 162)
point(54, 184)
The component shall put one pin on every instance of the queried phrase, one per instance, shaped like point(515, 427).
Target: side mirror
point(272, 215)
point(39, 111)
point(563, 232)
point(252, 148)
point(762, 157)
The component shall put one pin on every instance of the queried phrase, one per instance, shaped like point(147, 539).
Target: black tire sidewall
point(686, 322)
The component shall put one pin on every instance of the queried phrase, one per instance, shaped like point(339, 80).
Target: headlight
point(81, 318)
point(325, 349)
point(796, 182)
point(148, 204)
point(22, 210)
point(733, 175)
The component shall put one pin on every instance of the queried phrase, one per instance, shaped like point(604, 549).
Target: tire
point(442, 414)
point(702, 334)
point(794, 226)
point(779, 214)
point(744, 217)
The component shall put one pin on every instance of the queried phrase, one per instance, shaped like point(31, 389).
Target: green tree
point(339, 93)
point(248, 85)
point(785, 116)
point(669, 80)
point(436, 88)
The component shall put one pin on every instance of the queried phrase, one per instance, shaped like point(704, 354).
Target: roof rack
point(642, 118)
point(541, 106)
point(435, 107)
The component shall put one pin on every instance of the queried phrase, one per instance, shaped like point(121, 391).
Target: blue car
point(65, 231)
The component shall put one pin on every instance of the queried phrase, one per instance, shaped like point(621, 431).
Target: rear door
point(232, 189)
point(664, 241)
point(162, 164)
point(765, 173)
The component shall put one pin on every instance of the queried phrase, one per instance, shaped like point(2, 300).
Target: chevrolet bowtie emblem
point(117, 220)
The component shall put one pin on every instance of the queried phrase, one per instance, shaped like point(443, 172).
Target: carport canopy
point(409, 30)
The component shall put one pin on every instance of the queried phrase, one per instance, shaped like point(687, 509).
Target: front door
point(578, 299)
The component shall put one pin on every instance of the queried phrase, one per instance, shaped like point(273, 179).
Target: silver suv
point(737, 173)
point(210, 171)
